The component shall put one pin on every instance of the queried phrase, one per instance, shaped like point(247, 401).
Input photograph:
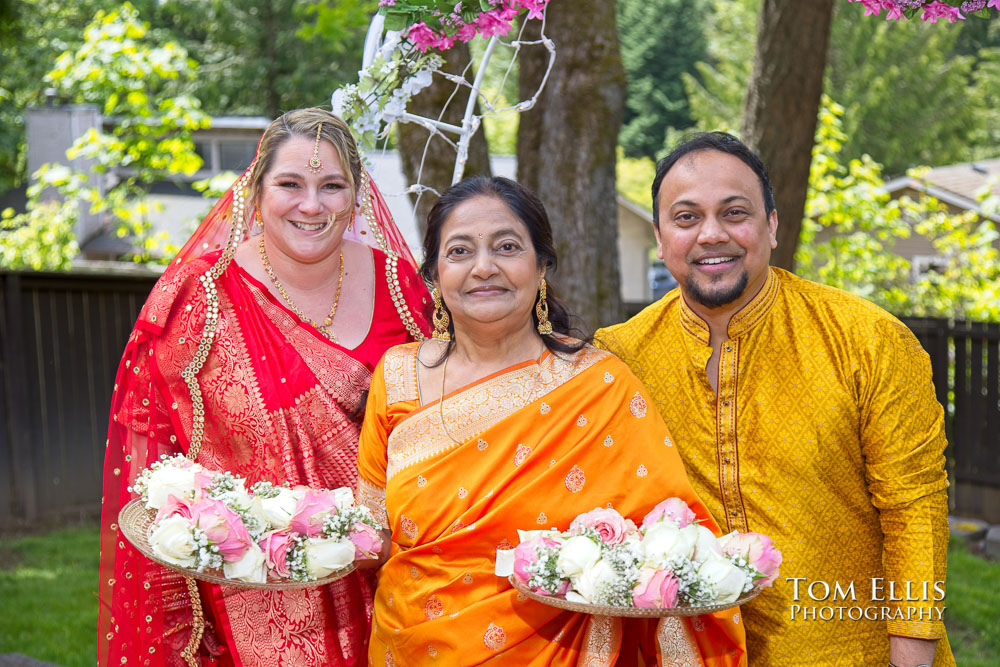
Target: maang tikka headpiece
point(315, 164)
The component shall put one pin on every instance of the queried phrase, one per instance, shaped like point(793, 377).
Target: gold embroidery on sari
point(399, 366)
point(602, 641)
point(676, 643)
point(373, 497)
point(476, 409)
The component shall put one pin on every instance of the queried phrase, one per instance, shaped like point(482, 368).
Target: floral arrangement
point(440, 23)
point(208, 520)
point(403, 67)
point(930, 10)
point(605, 559)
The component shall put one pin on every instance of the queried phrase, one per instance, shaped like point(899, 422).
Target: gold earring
point(350, 225)
point(260, 218)
point(542, 311)
point(440, 317)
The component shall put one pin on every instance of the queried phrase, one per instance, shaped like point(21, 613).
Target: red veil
point(218, 369)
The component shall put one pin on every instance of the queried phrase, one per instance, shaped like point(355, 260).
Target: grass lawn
point(48, 606)
point(48, 609)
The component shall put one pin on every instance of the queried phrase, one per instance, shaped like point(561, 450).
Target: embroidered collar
point(741, 322)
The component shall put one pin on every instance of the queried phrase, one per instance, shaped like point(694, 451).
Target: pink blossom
point(311, 511)
point(995, 4)
point(757, 549)
point(422, 36)
point(536, 7)
point(609, 524)
point(674, 509)
point(489, 24)
point(223, 527)
point(937, 9)
point(655, 588)
point(174, 505)
point(275, 547)
point(366, 540)
point(526, 554)
point(467, 31)
point(202, 480)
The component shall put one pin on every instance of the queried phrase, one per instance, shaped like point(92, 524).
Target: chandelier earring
point(440, 317)
point(542, 311)
point(260, 218)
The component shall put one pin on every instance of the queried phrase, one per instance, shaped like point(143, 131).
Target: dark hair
point(529, 209)
point(712, 141)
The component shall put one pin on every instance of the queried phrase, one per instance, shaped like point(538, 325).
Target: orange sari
point(538, 443)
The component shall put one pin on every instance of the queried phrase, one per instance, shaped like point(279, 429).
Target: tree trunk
point(566, 151)
point(439, 160)
point(779, 119)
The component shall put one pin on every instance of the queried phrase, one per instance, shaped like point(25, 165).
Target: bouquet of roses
point(605, 559)
point(208, 520)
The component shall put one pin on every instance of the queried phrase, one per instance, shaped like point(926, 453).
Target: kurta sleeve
point(372, 452)
point(903, 442)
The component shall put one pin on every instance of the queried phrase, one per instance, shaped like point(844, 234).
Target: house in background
point(230, 144)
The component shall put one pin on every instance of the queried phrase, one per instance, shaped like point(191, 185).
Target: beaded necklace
point(322, 328)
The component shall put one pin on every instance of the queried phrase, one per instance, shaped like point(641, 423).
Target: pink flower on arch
point(937, 9)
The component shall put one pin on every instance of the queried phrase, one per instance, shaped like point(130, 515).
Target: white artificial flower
point(417, 82)
point(395, 107)
point(278, 511)
point(588, 581)
point(173, 541)
point(390, 42)
point(170, 481)
point(576, 555)
point(344, 497)
point(706, 544)
point(664, 540)
point(323, 556)
point(726, 579)
point(251, 567)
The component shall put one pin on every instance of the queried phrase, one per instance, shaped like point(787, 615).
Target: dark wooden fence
point(62, 335)
point(61, 338)
point(965, 357)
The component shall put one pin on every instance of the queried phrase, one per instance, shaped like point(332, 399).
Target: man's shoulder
point(830, 304)
point(655, 317)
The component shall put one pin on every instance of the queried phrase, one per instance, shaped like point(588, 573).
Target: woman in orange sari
point(505, 422)
point(253, 355)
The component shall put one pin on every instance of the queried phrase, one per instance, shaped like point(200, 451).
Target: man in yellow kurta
point(801, 412)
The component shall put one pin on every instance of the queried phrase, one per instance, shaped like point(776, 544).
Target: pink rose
point(757, 549)
point(202, 480)
point(311, 511)
point(174, 505)
point(275, 547)
point(366, 540)
point(526, 554)
point(609, 524)
point(674, 509)
point(223, 527)
point(655, 588)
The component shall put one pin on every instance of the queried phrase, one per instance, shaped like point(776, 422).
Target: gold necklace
point(322, 328)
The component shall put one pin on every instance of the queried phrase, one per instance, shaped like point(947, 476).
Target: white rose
point(665, 540)
point(248, 568)
point(169, 481)
point(587, 583)
point(726, 579)
point(576, 555)
point(324, 556)
point(344, 497)
point(172, 540)
point(706, 544)
point(278, 511)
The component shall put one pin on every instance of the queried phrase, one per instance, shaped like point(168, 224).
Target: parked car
point(660, 280)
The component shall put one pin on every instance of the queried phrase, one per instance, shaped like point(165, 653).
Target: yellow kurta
point(825, 435)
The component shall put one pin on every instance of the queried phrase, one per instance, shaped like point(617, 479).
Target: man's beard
point(718, 297)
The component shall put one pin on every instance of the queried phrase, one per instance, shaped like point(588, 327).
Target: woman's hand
point(383, 556)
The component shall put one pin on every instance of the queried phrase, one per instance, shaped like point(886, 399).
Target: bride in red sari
point(254, 354)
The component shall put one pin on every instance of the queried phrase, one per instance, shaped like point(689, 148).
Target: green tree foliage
point(914, 93)
point(32, 34)
point(660, 41)
point(265, 57)
point(852, 224)
point(141, 86)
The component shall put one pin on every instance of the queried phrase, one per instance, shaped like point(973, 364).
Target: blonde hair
point(303, 123)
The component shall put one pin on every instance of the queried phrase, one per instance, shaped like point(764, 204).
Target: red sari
point(281, 403)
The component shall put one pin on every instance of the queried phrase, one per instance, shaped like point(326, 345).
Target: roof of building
point(958, 185)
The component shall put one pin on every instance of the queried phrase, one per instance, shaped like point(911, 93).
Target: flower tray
point(682, 609)
point(135, 523)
